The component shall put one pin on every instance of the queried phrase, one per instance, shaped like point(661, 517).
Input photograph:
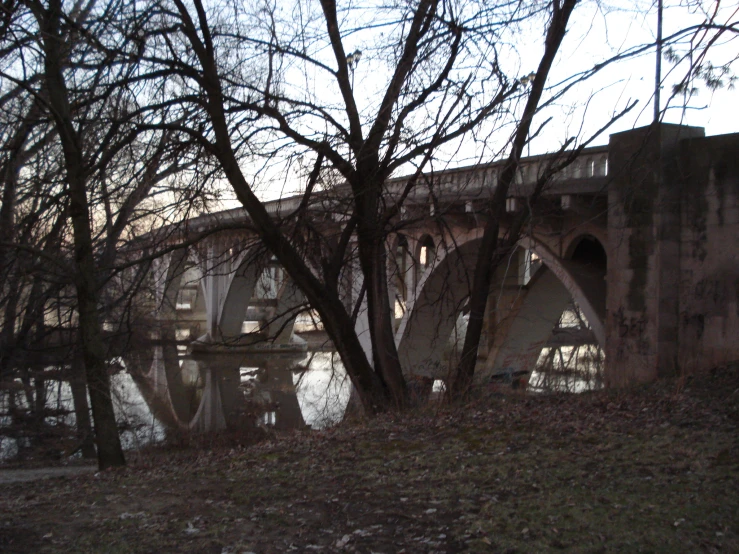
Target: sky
point(599, 29)
point(597, 33)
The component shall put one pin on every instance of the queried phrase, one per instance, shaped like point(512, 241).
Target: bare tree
point(444, 80)
point(73, 72)
point(490, 252)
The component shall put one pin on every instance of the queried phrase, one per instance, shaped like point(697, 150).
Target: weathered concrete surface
point(673, 268)
point(709, 262)
point(423, 335)
point(531, 325)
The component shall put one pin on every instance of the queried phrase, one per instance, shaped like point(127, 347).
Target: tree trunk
point(39, 407)
point(487, 259)
point(81, 408)
point(108, 442)
point(372, 257)
point(336, 320)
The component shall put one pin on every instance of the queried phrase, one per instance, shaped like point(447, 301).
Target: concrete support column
point(211, 292)
point(643, 253)
point(229, 285)
point(528, 325)
point(362, 324)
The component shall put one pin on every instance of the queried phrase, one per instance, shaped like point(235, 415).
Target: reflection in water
point(568, 369)
point(138, 426)
point(575, 364)
point(204, 394)
point(217, 391)
point(282, 391)
point(164, 388)
point(323, 389)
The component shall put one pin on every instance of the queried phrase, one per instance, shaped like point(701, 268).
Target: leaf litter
point(652, 469)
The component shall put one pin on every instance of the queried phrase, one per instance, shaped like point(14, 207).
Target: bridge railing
point(472, 182)
point(465, 183)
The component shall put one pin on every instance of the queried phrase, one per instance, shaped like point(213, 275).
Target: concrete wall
point(709, 261)
point(672, 253)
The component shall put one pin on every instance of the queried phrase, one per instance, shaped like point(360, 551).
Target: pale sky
point(595, 35)
point(599, 30)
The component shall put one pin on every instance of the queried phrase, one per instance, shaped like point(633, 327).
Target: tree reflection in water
point(217, 391)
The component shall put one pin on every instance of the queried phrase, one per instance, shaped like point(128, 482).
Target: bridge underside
point(525, 306)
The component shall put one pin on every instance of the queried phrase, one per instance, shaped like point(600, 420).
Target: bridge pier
point(673, 263)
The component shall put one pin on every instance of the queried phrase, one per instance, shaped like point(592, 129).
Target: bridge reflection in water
point(210, 392)
point(217, 392)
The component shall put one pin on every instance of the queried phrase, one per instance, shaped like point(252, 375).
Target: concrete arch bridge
point(641, 234)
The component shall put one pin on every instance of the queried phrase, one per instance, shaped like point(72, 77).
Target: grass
point(647, 470)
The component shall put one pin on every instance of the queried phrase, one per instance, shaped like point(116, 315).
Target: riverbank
point(653, 469)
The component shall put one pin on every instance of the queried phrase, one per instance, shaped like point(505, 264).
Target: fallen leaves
point(644, 469)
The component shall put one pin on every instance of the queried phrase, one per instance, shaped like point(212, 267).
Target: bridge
point(640, 234)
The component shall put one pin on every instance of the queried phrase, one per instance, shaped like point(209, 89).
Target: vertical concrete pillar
point(362, 324)
point(643, 253)
point(709, 299)
point(211, 295)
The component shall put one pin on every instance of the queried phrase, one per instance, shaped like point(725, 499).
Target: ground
point(647, 470)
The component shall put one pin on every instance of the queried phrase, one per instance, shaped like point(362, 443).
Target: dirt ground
point(649, 470)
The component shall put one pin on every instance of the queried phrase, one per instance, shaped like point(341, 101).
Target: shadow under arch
point(580, 277)
point(424, 333)
point(582, 274)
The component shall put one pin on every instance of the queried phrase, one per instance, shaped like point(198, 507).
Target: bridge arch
point(281, 303)
point(240, 287)
point(580, 276)
point(177, 273)
point(582, 272)
point(170, 375)
point(444, 288)
point(432, 314)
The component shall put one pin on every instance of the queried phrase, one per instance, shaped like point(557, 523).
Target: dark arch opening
point(425, 254)
point(589, 250)
point(426, 251)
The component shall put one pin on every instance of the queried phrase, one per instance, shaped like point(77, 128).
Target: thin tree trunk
point(372, 256)
point(7, 232)
point(108, 442)
point(81, 408)
point(39, 407)
point(487, 259)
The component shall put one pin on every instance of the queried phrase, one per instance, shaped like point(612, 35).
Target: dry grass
point(649, 470)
